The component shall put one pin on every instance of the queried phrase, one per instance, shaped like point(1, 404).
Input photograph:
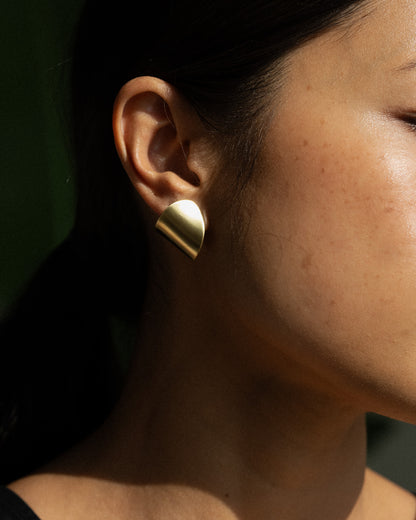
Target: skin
point(258, 360)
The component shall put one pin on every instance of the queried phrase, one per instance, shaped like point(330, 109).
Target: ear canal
point(183, 224)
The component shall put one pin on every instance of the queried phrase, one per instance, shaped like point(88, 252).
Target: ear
point(159, 139)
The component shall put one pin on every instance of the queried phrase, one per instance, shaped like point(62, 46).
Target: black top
point(12, 507)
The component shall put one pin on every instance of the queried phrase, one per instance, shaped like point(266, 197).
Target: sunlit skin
point(256, 362)
point(333, 218)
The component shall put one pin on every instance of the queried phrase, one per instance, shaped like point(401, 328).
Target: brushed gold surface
point(183, 224)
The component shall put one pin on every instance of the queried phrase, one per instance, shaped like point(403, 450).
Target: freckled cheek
point(349, 196)
point(350, 190)
point(302, 253)
point(333, 251)
point(350, 227)
point(321, 193)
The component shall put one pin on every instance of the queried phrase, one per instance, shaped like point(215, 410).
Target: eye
point(410, 120)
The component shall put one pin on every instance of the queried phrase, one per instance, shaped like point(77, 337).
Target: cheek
point(334, 244)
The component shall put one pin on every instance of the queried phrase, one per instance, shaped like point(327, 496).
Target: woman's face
point(328, 264)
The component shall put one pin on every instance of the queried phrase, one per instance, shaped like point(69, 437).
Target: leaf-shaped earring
point(183, 224)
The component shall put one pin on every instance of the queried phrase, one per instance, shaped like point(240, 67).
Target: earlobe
point(153, 135)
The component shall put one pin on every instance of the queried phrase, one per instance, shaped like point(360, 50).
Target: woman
point(291, 126)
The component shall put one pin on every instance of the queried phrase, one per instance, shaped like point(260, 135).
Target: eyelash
point(410, 120)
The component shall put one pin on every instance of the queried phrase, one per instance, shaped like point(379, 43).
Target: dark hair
point(223, 56)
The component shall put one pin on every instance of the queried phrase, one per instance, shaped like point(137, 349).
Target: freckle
point(331, 191)
point(347, 201)
point(308, 87)
point(322, 121)
point(305, 142)
point(332, 302)
point(325, 145)
point(323, 170)
point(307, 261)
point(388, 210)
point(296, 158)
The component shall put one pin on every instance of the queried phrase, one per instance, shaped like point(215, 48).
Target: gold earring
point(183, 224)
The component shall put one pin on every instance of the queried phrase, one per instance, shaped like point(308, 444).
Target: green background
point(36, 184)
point(36, 188)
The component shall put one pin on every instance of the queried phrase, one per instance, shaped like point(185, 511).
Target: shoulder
point(12, 507)
point(51, 496)
point(42, 494)
point(392, 500)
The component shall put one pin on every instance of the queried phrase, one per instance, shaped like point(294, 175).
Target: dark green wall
point(36, 190)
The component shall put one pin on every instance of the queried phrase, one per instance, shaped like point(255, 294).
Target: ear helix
point(183, 224)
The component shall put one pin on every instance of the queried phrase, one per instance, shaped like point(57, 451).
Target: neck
point(213, 431)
